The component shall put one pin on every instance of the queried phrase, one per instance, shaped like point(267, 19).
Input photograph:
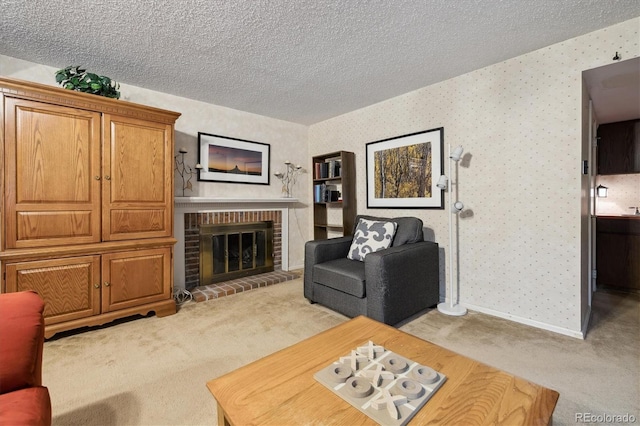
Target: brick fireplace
point(191, 212)
point(193, 223)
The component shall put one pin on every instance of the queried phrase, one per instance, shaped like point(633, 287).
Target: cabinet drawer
point(68, 286)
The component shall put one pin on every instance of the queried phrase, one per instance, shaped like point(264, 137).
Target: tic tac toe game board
point(385, 386)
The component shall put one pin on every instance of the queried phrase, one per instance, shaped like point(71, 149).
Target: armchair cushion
point(342, 274)
point(371, 236)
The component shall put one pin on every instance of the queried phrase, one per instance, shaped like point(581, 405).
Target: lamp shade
point(442, 182)
point(457, 207)
point(601, 191)
point(456, 154)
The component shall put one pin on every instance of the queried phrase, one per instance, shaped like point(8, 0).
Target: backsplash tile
point(624, 192)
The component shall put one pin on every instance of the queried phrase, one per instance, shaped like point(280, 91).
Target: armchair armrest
point(401, 281)
point(320, 251)
point(22, 337)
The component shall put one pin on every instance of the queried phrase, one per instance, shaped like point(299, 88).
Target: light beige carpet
point(153, 371)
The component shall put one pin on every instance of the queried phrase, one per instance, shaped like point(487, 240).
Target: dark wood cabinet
point(619, 148)
point(334, 194)
point(618, 253)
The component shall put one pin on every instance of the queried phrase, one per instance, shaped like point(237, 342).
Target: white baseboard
point(527, 321)
point(294, 267)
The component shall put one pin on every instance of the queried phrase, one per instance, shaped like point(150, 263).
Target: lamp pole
point(452, 308)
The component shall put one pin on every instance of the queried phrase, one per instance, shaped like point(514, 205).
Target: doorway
point(613, 92)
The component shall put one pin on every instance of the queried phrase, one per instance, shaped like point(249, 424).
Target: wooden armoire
point(87, 204)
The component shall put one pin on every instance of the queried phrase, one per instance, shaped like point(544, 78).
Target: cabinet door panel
point(619, 148)
point(53, 224)
point(130, 221)
point(138, 166)
point(68, 286)
point(52, 158)
point(617, 262)
point(135, 278)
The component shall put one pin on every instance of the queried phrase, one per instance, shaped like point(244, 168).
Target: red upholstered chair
point(23, 399)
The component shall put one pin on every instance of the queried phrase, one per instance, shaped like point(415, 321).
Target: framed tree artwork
point(402, 171)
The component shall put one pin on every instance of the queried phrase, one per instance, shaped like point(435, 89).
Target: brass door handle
point(97, 177)
point(96, 285)
point(107, 284)
point(107, 177)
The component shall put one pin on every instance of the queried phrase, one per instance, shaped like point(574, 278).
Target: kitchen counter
point(619, 216)
point(618, 224)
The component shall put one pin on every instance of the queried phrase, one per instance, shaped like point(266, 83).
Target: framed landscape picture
point(402, 171)
point(226, 159)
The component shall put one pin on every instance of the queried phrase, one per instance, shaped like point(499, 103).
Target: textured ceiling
point(298, 60)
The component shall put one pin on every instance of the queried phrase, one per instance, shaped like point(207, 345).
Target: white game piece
point(386, 400)
point(354, 358)
point(378, 375)
point(425, 375)
point(370, 350)
point(359, 387)
point(395, 364)
point(340, 373)
point(409, 388)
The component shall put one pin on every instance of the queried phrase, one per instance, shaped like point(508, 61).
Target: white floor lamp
point(452, 307)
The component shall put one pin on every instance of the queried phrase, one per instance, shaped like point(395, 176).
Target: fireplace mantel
point(214, 201)
point(185, 205)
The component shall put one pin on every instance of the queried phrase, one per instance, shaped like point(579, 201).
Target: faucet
point(637, 213)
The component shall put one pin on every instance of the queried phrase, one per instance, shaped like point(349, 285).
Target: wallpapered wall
point(288, 142)
point(520, 124)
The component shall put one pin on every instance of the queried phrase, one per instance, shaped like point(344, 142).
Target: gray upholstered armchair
point(389, 286)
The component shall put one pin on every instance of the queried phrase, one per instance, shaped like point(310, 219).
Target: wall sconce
point(601, 191)
point(288, 178)
point(185, 171)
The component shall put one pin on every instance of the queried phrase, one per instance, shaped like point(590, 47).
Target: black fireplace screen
point(234, 250)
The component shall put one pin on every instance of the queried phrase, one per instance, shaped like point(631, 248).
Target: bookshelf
point(334, 194)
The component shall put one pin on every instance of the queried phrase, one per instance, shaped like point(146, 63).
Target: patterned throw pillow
point(371, 236)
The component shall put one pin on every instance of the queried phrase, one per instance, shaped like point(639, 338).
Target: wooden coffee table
point(280, 389)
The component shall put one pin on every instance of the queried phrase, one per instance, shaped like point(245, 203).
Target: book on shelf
point(334, 168)
point(323, 193)
point(327, 169)
point(332, 194)
point(318, 193)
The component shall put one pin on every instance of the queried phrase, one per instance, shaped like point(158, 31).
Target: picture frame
point(402, 171)
point(232, 160)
